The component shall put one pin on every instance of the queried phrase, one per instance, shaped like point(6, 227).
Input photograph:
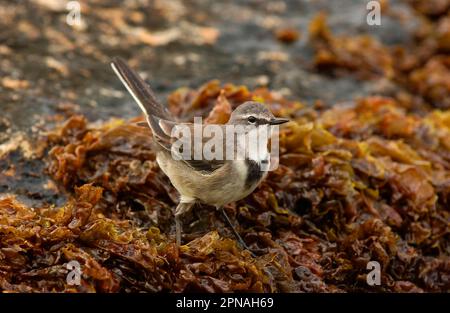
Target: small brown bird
point(215, 182)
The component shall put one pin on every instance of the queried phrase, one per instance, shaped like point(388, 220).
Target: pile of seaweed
point(357, 183)
point(365, 181)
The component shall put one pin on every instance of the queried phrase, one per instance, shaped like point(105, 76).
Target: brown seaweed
point(358, 183)
point(366, 181)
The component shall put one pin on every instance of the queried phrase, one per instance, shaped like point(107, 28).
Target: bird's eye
point(251, 119)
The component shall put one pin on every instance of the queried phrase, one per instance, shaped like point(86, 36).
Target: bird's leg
point(236, 234)
point(182, 208)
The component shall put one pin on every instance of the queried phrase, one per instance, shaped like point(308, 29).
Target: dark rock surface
point(173, 44)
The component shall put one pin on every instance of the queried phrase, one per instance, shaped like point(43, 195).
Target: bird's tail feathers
point(141, 92)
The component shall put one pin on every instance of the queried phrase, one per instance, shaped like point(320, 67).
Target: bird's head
point(254, 114)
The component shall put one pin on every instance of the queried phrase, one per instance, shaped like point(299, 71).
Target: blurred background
point(54, 54)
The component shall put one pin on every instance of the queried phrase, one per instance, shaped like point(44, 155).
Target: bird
point(215, 182)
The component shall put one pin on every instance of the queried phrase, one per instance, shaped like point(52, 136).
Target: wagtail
point(214, 182)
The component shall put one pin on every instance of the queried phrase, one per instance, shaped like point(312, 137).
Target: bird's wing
point(173, 131)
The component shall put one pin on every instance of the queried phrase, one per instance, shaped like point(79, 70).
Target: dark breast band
point(254, 173)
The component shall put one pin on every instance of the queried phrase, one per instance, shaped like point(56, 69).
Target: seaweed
point(420, 68)
point(368, 180)
point(364, 182)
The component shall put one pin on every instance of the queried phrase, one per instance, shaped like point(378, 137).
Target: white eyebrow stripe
point(259, 119)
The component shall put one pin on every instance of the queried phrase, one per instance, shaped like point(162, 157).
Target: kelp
point(364, 182)
point(420, 70)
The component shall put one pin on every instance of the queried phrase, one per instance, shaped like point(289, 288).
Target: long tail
point(140, 91)
point(157, 115)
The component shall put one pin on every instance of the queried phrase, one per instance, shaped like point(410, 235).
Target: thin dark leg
point(236, 234)
point(178, 230)
point(182, 208)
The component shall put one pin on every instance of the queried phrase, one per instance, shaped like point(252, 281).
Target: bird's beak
point(278, 121)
